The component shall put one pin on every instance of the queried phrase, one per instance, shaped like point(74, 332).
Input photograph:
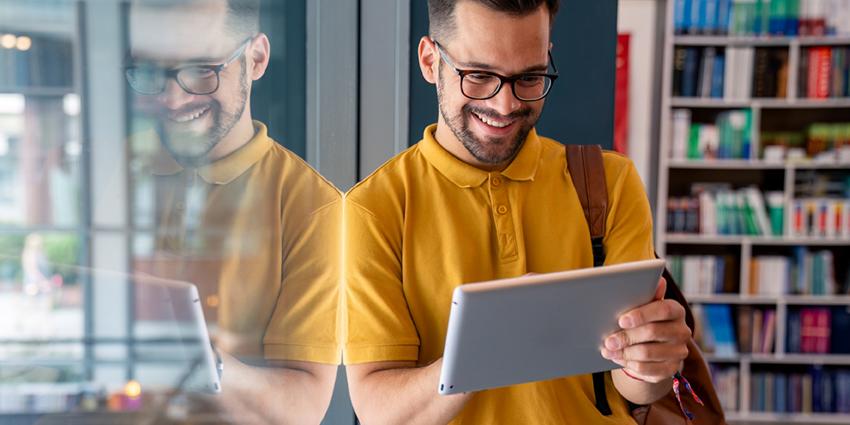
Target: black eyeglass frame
point(462, 73)
point(173, 73)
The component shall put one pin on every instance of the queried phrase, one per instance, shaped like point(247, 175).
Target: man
point(248, 221)
point(480, 197)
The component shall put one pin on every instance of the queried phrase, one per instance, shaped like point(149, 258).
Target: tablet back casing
point(539, 327)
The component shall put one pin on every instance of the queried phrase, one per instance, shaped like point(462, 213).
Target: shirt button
point(496, 181)
point(501, 209)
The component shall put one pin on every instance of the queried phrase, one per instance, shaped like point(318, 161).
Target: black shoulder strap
point(587, 171)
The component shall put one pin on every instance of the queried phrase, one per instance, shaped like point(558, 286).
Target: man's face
point(193, 33)
point(494, 129)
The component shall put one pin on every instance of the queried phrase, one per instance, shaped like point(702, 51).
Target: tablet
point(173, 332)
point(539, 327)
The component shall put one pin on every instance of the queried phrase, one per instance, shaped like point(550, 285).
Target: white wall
point(638, 18)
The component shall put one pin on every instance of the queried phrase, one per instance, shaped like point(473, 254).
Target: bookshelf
point(789, 106)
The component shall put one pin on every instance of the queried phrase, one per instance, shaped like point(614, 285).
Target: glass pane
point(40, 144)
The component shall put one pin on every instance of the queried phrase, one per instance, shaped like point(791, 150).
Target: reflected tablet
point(539, 327)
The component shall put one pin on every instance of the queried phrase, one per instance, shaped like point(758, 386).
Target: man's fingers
point(669, 331)
point(656, 311)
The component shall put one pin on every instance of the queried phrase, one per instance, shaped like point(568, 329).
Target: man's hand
point(653, 341)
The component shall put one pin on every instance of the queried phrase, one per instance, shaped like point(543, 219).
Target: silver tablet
point(539, 327)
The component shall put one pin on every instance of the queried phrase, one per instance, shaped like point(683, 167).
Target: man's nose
point(504, 102)
point(173, 96)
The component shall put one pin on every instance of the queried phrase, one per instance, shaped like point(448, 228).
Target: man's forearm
point(637, 391)
point(279, 395)
point(405, 396)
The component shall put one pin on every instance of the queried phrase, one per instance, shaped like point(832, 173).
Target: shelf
point(732, 299)
point(734, 40)
point(725, 164)
point(699, 102)
point(699, 239)
point(751, 164)
point(788, 418)
point(786, 359)
point(768, 299)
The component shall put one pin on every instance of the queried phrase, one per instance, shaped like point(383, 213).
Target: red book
point(808, 319)
point(824, 318)
point(824, 73)
point(811, 73)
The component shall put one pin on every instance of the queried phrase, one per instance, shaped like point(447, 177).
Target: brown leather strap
point(588, 174)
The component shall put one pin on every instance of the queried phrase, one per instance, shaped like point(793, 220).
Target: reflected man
point(236, 213)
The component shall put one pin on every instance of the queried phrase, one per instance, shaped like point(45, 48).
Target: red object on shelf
point(621, 96)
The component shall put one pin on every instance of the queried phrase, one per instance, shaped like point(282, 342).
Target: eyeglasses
point(149, 79)
point(481, 85)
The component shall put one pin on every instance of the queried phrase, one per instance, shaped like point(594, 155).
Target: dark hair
point(441, 13)
point(243, 16)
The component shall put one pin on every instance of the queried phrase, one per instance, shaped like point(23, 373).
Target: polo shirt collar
point(522, 168)
point(226, 169)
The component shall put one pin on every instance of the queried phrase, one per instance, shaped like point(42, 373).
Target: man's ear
point(259, 52)
point(429, 59)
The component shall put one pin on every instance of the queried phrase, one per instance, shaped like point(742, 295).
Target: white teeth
point(493, 123)
point(192, 116)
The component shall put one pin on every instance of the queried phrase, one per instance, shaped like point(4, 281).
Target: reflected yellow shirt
point(426, 222)
point(258, 232)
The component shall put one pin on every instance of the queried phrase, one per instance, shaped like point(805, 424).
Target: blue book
point(710, 23)
point(697, 24)
point(794, 331)
point(780, 402)
point(691, 73)
point(682, 16)
point(720, 319)
point(724, 16)
point(717, 77)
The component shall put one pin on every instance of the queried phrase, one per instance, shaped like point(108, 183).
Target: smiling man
point(236, 213)
point(482, 197)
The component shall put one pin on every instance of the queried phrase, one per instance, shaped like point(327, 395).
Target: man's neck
point(447, 139)
point(238, 136)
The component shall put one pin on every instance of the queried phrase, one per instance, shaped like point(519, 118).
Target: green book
point(693, 142)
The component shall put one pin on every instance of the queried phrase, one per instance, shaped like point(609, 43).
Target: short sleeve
point(379, 325)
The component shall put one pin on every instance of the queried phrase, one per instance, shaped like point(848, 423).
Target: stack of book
point(807, 273)
point(729, 137)
point(716, 209)
point(704, 274)
point(762, 17)
point(756, 330)
point(819, 330)
point(818, 391)
point(725, 379)
point(820, 217)
point(716, 329)
point(46, 63)
point(824, 72)
point(699, 72)
point(822, 142)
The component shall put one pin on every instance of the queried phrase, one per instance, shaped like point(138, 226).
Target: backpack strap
point(585, 165)
point(588, 174)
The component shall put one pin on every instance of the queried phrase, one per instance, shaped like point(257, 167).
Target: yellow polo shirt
point(258, 232)
point(426, 222)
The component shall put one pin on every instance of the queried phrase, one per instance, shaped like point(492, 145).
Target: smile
point(191, 115)
point(493, 123)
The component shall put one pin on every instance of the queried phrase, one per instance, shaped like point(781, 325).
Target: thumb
point(660, 290)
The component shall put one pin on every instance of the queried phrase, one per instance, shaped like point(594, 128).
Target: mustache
point(490, 113)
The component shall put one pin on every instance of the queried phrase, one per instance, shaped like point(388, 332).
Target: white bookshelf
point(743, 247)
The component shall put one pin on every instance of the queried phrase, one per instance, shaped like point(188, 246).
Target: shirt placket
point(503, 218)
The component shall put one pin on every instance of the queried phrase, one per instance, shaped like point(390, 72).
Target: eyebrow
point(487, 67)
